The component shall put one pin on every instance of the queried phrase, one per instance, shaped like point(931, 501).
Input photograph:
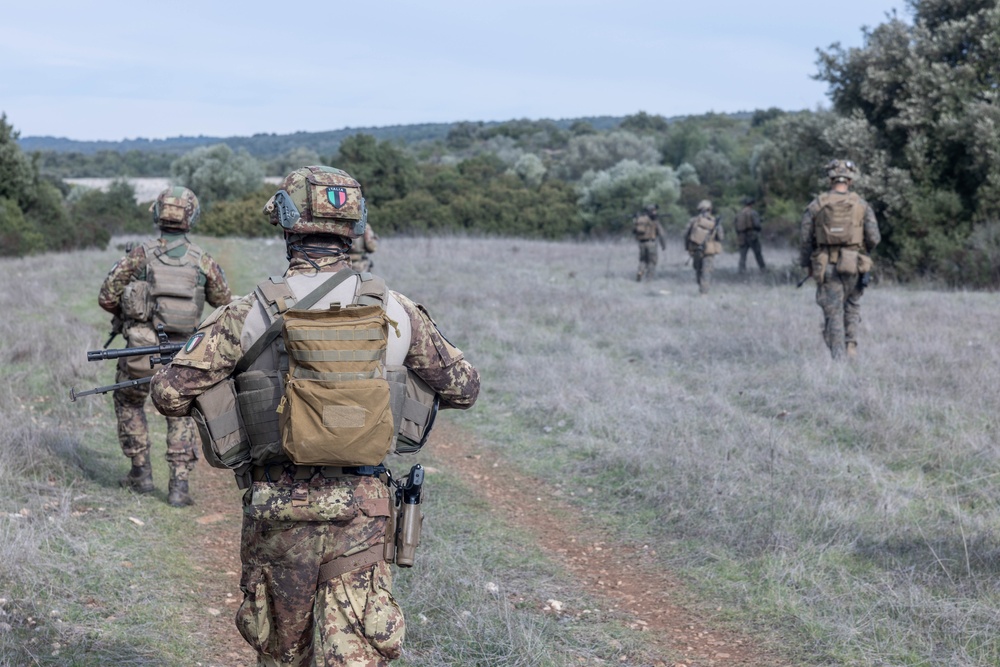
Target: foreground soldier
point(703, 237)
point(362, 248)
point(317, 590)
point(838, 233)
point(748, 234)
point(165, 281)
point(648, 232)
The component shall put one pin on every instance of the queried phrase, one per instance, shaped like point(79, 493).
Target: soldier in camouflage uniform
point(703, 239)
point(648, 232)
point(191, 277)
point(362, 249)
point(300, 520)
point(838, 233)
point(748, 228)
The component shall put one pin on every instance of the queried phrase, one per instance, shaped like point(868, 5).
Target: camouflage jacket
point(365, 244)
point(807, 230)
point(213, 352)
point(132, 267)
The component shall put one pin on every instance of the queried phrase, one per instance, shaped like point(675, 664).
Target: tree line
point(915, 107)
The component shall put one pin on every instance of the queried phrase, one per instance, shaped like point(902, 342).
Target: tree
point(920, 115)
point(216, 172)
point(609, 197)
point(596, 152)
point(17, 174)
point(385, 171)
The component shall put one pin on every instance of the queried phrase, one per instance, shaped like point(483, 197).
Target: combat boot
point(139, 478)
point(177, 493)
point(852, 351)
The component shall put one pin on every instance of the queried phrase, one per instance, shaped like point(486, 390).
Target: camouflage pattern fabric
point(289, 619)
point(361, 249)
point(286, 616)
point(133, 429)
point(702, 258)
point(703, 265)
point(749, 238)
point(838, 294)
point(648, 254)
point(133, 267)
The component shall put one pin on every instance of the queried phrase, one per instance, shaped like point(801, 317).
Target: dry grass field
point(843, 514)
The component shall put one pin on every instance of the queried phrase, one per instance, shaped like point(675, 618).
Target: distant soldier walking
point(748, 228)
point(165, 281)
point(649, 233)
point(838, 233)
point(703, 239)
point(362, 248)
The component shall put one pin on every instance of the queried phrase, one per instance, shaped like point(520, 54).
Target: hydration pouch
point(223, 440)
point(336, 408)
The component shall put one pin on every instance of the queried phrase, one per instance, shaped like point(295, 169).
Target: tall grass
point(851, 504)
point(846, 511)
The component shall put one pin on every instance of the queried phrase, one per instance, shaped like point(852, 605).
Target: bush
point(240, 217)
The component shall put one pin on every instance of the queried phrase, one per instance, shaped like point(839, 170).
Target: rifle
point(807, 277)
point(163, 352)
point(116, 329)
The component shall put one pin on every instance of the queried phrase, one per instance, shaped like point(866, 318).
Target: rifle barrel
point(164, 349)
point(74, 394)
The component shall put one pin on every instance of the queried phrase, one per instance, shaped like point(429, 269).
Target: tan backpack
point(840, 219)
point(701, 230)
point(338, 403)
point(644, 228)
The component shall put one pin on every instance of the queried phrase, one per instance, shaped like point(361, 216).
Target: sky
point(113, 70)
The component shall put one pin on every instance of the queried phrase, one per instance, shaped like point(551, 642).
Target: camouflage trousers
point(750, 242)
point(839, 295)
point(703, 270)
point(648, 257)
point(290, 617)
point(133, 430)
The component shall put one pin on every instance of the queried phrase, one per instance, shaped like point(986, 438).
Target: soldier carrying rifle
point(163, 283)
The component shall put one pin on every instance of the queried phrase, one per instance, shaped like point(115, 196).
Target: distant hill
point(265, 146)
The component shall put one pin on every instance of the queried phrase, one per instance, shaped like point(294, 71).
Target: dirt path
point(625, 575)
point(215, 553)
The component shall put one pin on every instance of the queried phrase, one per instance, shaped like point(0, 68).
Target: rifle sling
point(274, 330)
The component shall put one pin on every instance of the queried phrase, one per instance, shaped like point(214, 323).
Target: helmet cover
point(176, 208)
point(841, 171)
point(319, 200)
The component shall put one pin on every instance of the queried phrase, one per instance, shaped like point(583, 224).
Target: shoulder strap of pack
point(274, 330)
point(371, 291)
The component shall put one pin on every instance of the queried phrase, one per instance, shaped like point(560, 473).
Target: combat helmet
point(319, 200)
point(175, 209)
point(704, 205)
point(841, 171)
